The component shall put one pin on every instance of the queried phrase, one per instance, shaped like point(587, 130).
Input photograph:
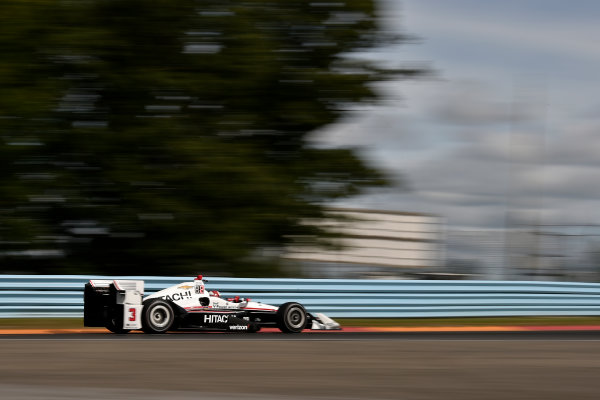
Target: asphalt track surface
point(328, 366)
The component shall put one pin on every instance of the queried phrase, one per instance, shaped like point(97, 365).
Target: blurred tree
point(171, 137)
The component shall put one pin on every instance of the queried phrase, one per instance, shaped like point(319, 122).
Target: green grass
point(33, 323)
point(75, 323)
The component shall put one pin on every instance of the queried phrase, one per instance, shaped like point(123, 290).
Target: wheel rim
point(296, 318)
point(160, 316)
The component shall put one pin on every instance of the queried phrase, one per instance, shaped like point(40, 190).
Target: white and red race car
point(119, 306)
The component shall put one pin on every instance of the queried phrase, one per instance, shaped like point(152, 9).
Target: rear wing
point(120, 284)
point(113, 302)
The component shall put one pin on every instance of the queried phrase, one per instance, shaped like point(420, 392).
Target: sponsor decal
point(238, 327)
point(215, 318)
point(178, 296)
point(185, 287)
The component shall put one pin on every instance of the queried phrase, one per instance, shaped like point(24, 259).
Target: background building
point(368, 243)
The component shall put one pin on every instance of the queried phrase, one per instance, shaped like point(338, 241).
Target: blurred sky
point(509, 124)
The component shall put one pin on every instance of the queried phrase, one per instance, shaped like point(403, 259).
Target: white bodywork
point(188, 295)
point(193, 298)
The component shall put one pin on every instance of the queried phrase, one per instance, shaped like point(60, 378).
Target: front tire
point(291, 318)
point(158, 316)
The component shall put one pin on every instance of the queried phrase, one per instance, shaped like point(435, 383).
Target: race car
point(119, 306)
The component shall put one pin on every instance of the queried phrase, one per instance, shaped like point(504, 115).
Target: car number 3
point(132, 314)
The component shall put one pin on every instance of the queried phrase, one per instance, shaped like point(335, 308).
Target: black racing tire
point(112, 326)
point(111, 322)
point(291, 317)
point(158, 316)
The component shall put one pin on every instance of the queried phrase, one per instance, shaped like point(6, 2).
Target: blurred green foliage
point(171, 137)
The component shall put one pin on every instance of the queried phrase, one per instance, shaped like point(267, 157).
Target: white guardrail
point(32, 296)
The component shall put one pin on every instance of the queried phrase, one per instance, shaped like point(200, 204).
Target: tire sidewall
point(292, 318)
point(111, 325)
point(112, 320)
point(157, 307)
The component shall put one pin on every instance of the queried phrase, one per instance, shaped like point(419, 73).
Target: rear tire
point(112, 321)
point(158, 316)
point(112, 326)
point(291, 318)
